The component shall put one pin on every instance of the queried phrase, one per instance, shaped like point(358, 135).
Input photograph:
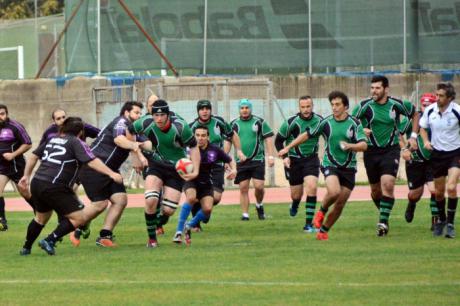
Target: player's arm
point(237, 143)
point(100, 167)
point(423, 123)
point(359, 144)
point(415, 129)
point(195, 158)
point(270, 150)
point(30, 165)
point(21, 150)
point(296, 142)
point(91, 131)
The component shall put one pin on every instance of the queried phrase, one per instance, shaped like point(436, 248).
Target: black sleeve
point(222, 156)
point(40, 149)
point(279, 143)
point(91, 131)
point(81, 150)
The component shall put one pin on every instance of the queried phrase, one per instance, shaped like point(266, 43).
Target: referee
point(442, 120)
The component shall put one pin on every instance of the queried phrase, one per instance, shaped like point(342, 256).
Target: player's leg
point(311, 185)
point(3, 222)
point(433, 206)
point(153, 184)
point(334, 213)
point(244, 198)
point(452, 179)
point(296, 197)
point(259, 192)
point(118, 201)
point(415, 172)
point(34, 229)
point(204, 213)
point(186, 207)
point(332, 193)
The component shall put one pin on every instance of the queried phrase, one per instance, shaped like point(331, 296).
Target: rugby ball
point(184, 166)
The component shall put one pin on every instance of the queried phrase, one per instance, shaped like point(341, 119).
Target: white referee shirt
point(445, 127)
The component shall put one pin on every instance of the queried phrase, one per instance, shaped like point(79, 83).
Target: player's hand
point(189, 176)
point(413, 144)
point(287, 162)
point(135, 146)
point(24, 183)
point(8, 156)
point(368, 132)
point(231, 174)
point(241, 155)
point(345, 146)
point(406, 155)
point(117, 177)
point(283, 151)
point(427, 145)
point(271, 161)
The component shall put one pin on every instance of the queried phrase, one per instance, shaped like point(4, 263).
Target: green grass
point(232, 262)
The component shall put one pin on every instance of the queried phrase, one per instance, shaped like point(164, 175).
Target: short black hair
point(72, 125)
point(203, 127)
point(381, 78)
point(338, 94)
point(448, 88)
point(128, 106)
point(307, 97)
point(3, 106)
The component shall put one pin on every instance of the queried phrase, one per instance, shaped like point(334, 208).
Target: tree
point(19, 9)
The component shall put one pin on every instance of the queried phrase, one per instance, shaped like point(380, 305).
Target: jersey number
point(57, 151)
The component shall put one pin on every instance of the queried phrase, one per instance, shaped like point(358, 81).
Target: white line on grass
point(229, 283)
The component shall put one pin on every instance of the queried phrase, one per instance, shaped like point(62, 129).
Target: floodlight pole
point(66, 26)
point(99, 37)
point(130, 14)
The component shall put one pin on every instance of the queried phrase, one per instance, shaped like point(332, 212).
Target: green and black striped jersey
point(383, 120)
point(349, 130)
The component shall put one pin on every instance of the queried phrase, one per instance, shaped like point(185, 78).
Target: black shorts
point(380, 162)
point(98, 186)
point(15, 173)
point(300, 168)
point(346, 176)
point(202, 189)
point(47, 196)
point(250, 169)
point(418, 173)
point(442, 161)
point(218, 178)
point(166, 173)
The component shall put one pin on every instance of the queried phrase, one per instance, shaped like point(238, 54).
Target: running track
point(272, 195)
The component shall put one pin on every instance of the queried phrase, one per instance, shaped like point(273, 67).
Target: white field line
point(231, 283)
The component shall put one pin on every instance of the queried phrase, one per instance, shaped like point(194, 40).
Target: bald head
point(151, 99)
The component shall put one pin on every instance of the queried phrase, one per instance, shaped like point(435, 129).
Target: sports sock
point(376, 202)
point(310, 207)
point(295, 203)
point(183, 215)
point(441, 204)
point(195, 209)
point(433, 206)
point(62, 229)
point(323, 210)
point(258, 205)
point(33, 231)
point(324, 229)
point(163, 220)
point(200, 216)
point(451, 208)
point(105, 233)
point(151, 223)
point(246, 215)
point(386, 205)
point(2, 208)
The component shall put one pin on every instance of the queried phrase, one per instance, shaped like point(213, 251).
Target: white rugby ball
point(184, 166)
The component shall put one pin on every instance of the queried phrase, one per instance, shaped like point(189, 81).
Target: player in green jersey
point(169, 136)
point(253, 132)
point(221, 135)
point(418, 166)
point(379, 116)
point(344, 136)
point(301, 164)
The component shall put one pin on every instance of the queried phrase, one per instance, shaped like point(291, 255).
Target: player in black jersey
point(58, 116)
point(112, 146)
point(51, 187)
point(14, 142)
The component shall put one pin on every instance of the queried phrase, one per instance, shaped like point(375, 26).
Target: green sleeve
point(266, 130)
point(360, 136)
point(283, 131)
point(138, 126)
point(317, 130)
point(187, 134)
point(409, 108)
point(357, 111)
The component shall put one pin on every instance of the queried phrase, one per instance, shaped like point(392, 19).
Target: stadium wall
point(32, 101)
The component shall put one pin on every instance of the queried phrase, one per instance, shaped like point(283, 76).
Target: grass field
point(269, 262)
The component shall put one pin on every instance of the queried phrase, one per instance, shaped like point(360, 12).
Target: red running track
point(272, 195)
